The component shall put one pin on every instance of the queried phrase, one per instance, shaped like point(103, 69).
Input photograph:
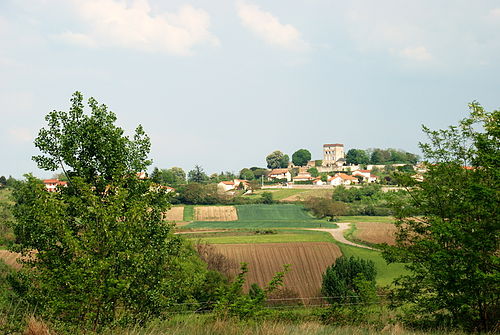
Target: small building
point(366, 174)
point(342, 179)
point(280, 174)
point(230, 185)
point(51, 184)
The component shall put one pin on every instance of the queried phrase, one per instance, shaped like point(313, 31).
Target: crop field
point(355, 219)
point(375, 232)
point(280, 193)
point(308, 262)
point(174, 214)
point(215, 213)
point(308, 194)
point(267, 216)
point(279, 236)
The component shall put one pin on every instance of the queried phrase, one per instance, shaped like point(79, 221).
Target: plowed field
point(308, 262)
point(175, 214)
point(375, 232)
point(215, 213)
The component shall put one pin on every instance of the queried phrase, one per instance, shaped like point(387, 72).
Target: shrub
point(350, 280)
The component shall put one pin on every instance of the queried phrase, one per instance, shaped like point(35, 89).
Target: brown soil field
point(310, 194)
point(308, 260)
point(215, 213)
point(375, 232)
point(10, 258)
point(174, 214)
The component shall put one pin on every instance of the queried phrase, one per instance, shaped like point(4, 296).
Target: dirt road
point(338, 234)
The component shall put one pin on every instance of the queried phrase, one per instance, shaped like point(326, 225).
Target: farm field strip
point(215, 213)
point(286, 237)
point(374, 232)
point(308, 262)
point(174, 214)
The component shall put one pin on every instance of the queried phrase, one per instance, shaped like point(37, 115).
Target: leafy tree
point(197, 175)
point(349, 280)
point(3, 181)
point(102, 249)
point(173, 176)
point(380, 156)
point(449, 237)
point(313, 171)
point(284, 162)
point(326, 208)
point(267, 198)
point(275, 159)
point(259, 172)
point(301, 157)
point(247, 174)
point(357, 156)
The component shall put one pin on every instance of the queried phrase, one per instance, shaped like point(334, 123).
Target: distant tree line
point(380, 156)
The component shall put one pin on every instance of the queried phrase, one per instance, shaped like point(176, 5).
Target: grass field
point(354, 219)
point(268, 216)
point(281, 236)
point(281, 193)
point(188, 213)
point(386, 273)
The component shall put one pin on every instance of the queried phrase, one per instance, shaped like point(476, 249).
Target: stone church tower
point(333, 155)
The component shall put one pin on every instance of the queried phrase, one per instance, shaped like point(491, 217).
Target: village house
point(51, 184)
point(225, 186)
point(342, 179)
point(280, 174)
point(366, 174)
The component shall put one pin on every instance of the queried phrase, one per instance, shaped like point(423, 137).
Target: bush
point(350, 280)
point(267, 198)
point(326, 208)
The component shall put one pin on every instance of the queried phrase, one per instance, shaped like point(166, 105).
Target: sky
point(223, 83)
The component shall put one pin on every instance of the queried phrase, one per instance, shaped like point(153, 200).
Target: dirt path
point(338, 234)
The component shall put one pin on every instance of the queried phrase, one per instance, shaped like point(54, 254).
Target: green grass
point(386, 273)
point(268, 216)
point(281, 193)
point(282, 236)
point(188, 213)
point(5, 194)
point(354, 219)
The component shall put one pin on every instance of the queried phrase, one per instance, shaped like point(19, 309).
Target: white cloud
point(21, 134)
point(495, 13)
point(134, 26)
point(269, 28)
point(419, 53)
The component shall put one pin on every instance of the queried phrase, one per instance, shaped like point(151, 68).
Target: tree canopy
point(103, 251)
point(301, 157)
point(276, 159)
point(449, 235)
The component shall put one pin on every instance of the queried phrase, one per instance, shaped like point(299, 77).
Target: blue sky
point(223, 83)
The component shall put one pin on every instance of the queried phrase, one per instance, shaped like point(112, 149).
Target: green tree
point(247, 174)
point(102, 249)
point(380, 156)
point(357, 156)
point(275, 159)
point(313, 171)
point(3, 181)
point(449, 237)
point(197, 175)
point(267, 198)
point(284, 162)
point(301, 157)
point(349, 280)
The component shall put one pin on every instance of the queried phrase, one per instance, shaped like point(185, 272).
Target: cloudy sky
point(222, 83)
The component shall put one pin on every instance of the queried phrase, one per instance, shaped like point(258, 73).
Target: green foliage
point(267, 198)
point(301, 157)
point(103, 252)
point(247, 174)
point(326, 208)
point(284, 161)
point(357, 156)
point(173, 177)
point(197, 175)
point(233, 302)
point(90, 145)
point(313, 171)
point(318, 162)
point(275, 159)
point(452, 248)
point(3, 181)
point(369, 199)
point(349, 280)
